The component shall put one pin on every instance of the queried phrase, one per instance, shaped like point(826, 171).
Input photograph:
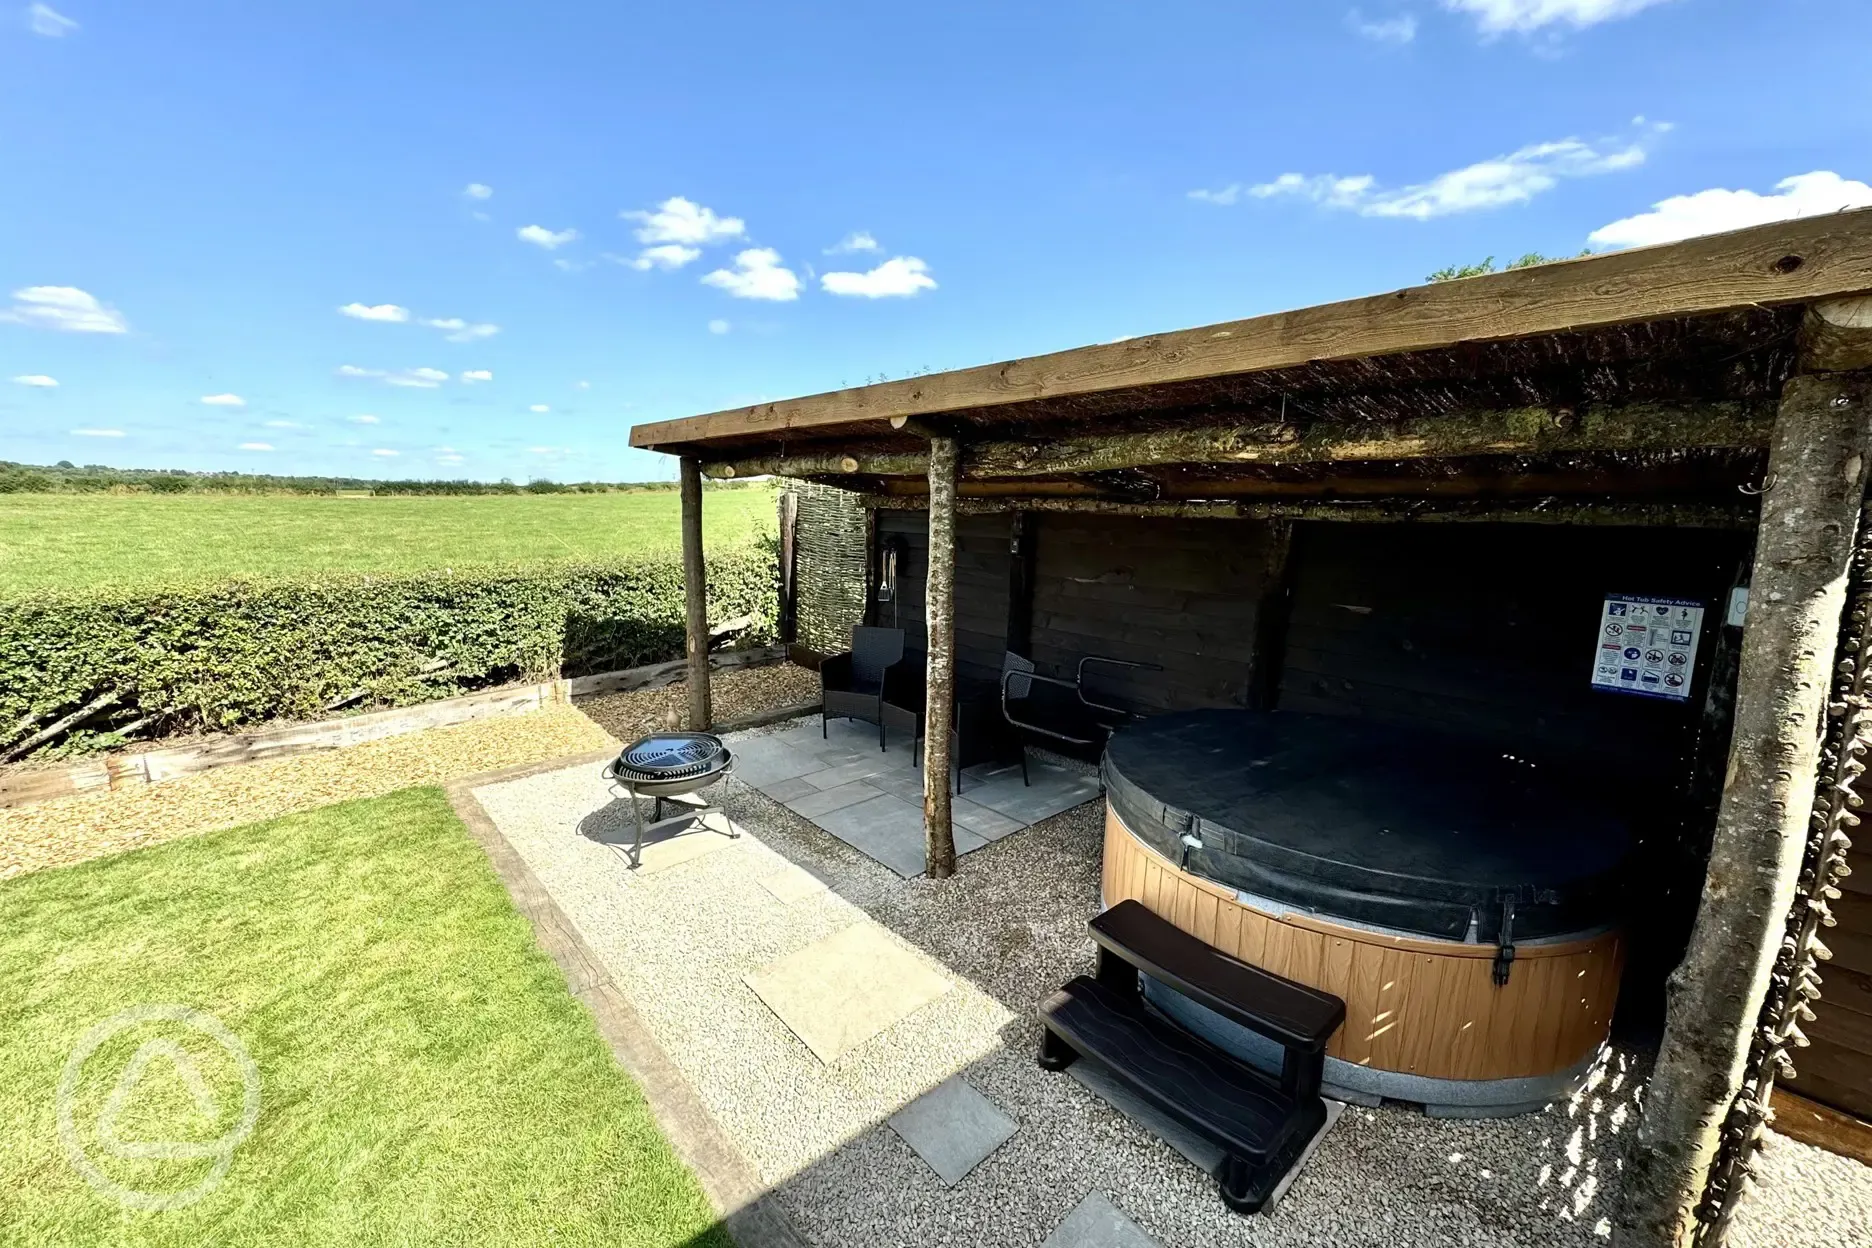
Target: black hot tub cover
point(1395, 828)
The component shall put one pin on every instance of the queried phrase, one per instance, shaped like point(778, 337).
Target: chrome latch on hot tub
point(1504, 952)
point(1190, 841)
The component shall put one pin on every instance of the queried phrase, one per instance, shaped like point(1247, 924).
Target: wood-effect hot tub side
point(1416, 1006)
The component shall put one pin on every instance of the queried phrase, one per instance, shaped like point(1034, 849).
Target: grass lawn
point(424, 1075)
point(68, 541)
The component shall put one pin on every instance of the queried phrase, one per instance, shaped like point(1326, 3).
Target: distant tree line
point(66, 477)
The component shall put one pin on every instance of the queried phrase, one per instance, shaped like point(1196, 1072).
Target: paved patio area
point(865, 1042)
point(872, 799)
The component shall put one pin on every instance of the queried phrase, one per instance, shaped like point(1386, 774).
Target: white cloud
point(47, 21)
point(581, 385)
point(680, 220)
point(478, 190)
point(449, 458)
point(539, 409)
point(664, 256)
point(540, 236)
point(417, 378)
point(375, 312)
point(900, 276)
point(224, 400)
point(676, 230)
point(719, 326)
point(1399, 29)
point(1512, 179)
point(64, 308)
point(1716, 210)
point(857, 240)
point(97, 433)
point(459, 330)
point(473, 375)
point(366, 419)
point(36, 379)
point(385, 453)
point(284, 424)
point(1224, 195)
point(256, 446)
point(757, 274)
point(1501, 17)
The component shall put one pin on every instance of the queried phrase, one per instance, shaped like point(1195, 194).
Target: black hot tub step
point(1293, 1015)
point(1261, 1128)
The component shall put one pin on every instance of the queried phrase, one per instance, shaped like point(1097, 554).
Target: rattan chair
point(854, 685)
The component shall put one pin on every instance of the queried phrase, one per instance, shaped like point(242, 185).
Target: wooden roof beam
point(1790, 262)
point(1516, 431)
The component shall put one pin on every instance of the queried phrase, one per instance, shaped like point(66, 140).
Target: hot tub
point(1407, 872)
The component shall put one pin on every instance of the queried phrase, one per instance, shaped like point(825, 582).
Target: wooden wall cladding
point(982, 568)
point(1179, 593)
point(1836, 1069)
point(1489, 629)
point(1420, 1007)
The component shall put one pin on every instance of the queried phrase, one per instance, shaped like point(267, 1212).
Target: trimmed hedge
point(220, 656)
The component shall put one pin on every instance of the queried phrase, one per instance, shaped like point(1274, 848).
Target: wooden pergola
point(1722, 381)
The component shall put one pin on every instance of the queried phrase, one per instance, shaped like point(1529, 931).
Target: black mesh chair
point(854, 685)
point(1056, 713)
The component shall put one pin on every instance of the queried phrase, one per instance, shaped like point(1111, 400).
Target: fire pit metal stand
point(669, 765)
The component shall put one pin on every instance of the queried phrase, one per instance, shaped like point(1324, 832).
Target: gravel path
point(1008, 928)
point(734, 694)
point(92, 825)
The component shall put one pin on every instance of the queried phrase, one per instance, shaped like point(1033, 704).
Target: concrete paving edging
point(752, 1215)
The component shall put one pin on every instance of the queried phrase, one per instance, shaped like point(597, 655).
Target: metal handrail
point(1079, 680)
point(1008, 677)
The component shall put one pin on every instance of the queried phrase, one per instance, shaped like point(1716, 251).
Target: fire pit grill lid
point(672, 756)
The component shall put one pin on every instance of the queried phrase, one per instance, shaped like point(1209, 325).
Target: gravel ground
point(1010, 927)
point(92, 825)
point(734, 694)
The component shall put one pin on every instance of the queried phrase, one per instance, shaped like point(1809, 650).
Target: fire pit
point(666, 765)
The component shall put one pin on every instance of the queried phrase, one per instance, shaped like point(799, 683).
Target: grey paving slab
point(788, 789)
point(1097, 1223)
point(886, 827)
point(825, 801)
point(902, 782)
point(845, 773)
point(762, 761)
point(1053, 789)
point(987, 824)
point(953, 1128)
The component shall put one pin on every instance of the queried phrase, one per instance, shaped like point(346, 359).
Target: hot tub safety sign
point(1647, 646)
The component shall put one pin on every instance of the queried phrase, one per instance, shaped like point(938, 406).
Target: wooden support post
point(695, 596)
point(1815, 486)
point(939, 684)
point(1272, 607)
point(789, 566)
point(1021, 535)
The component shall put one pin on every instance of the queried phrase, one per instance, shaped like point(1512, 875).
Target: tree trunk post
point(695, 596)
point(1813, 491)
point(939, 682)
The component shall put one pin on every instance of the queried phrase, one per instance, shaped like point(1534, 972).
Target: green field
point(420, 1072)
point(64, 541)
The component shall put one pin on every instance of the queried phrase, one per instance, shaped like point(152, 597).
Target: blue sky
point(397, 239)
